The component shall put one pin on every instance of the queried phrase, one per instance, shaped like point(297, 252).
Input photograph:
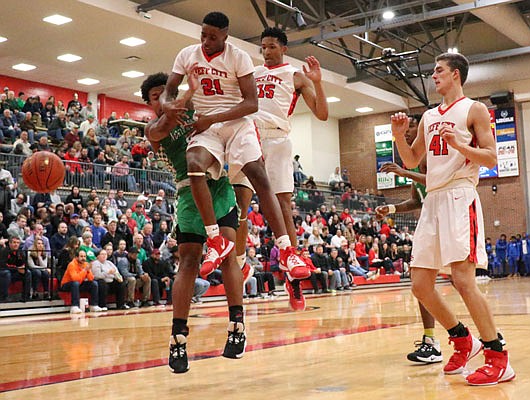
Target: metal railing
point(102, 177)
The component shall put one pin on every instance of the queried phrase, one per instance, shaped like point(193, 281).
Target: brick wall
point(357, 153)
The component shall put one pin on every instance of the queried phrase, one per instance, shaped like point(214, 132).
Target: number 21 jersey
point(218, 76)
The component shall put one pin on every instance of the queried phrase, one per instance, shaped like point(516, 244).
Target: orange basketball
point(43, 172)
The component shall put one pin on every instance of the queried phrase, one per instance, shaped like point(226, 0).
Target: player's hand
point(392, 167)
point(400, 124)
point(381, 212)
point(174, 111)
point(193, 77)
point(447, 133)
point(202, 123)
point(313, 73)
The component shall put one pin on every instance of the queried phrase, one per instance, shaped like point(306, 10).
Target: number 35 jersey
point(276, 96)
point(447, 167)
point(218, 76)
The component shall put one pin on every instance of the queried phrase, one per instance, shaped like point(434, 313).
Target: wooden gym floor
point(348, 346)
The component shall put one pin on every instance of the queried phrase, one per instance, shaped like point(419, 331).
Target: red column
point(102, 112)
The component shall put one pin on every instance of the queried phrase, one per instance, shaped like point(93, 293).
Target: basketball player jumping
point(166, 135)
point(279, 86)
point(226, 97)
point(456, 139)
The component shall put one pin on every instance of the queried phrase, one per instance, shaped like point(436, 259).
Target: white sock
point(283, 242)
point(241, 260)
point(212, 230)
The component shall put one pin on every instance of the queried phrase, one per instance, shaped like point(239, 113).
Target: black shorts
point(230, 220)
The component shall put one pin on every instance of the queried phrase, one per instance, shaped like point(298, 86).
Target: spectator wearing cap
point(160, 272)
point(139, 216)
point(90, 122)
point(74, 227)
point(160, 208)
point(87, 110)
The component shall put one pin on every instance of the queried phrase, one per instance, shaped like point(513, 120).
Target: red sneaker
point(496, 369)
point(247, 271)
point(296, 298)
point(465, 349)
point(292, 263)
point(218, 249)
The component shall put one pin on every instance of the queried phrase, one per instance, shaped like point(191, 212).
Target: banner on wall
point(507, 157)
point(384, 153)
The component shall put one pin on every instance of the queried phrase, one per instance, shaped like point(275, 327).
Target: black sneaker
point(178, 358)
point(236, 342)
point(428, 351)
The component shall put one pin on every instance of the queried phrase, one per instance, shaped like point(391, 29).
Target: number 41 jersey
point(447, 167)
point(276, 96)
point(218, 76)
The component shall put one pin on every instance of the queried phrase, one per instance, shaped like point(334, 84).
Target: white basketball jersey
point(218, 76)
point(276, 96)
point(446, 166)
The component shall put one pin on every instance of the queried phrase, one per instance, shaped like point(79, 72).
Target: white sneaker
point(75, 310)
point(97, 309)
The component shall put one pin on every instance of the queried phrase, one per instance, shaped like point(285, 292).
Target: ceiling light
point(57, 19)
point(23, 67)
point(132, 41)
point(452, 50)
point(69, 57)
point(2, 39)
point(332, 99)
point(364, 109)
point(132, 74)
point(389, 14)
point(184, 86)
point(88, 81)
point(138, 93)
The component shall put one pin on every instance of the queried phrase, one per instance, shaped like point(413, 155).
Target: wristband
point(391, 209)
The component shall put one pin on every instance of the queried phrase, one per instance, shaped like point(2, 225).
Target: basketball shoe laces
point(235, 337)
point(422, 346)
point(178, 350)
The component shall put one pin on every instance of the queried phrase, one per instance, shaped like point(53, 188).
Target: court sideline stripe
point(115, 369)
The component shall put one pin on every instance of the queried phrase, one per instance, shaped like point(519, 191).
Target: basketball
point(43, 172)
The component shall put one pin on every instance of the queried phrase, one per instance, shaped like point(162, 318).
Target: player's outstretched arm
point(396, 169)
point(414, 203)
point(158, 129)
point(310, 85)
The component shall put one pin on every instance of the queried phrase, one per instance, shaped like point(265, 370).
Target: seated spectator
point(147, 233)
point(74, 103)
point(88, 123)
point(22, 147)
point(138, 242)
point(121, 177)
point(48, 114)
point(124, 138)
point(72, 136)
point(87, 110)
point(259, 273)
point(133, 274)
point(37, 233)
point(360, 252)
point(161, 208)
point(316, 274)
point(335, 224)
point(91, 143)
point(161, 273)
point(13, 268)
point(338, 241)
point(139, 151)
point(59, 239)
point(274, 256)
point(322, 264)
point(161, 235)
point(338, 268)
point(315, 239)
point(18, 203)
point(98, 230)
point(40, 269)
point(28, 125)
point(121, 201)
point(57, 127)
point(78, 276)
point(109, 279)
point(201, 285)
point(310, 183)
point(9, 127)
point(16, 228)
point(254, 239)
point(88, 247)
point(75, 198)
point(334, 180)
point(256, 217)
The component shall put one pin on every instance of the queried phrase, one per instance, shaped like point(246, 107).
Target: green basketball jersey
point(420, 188)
